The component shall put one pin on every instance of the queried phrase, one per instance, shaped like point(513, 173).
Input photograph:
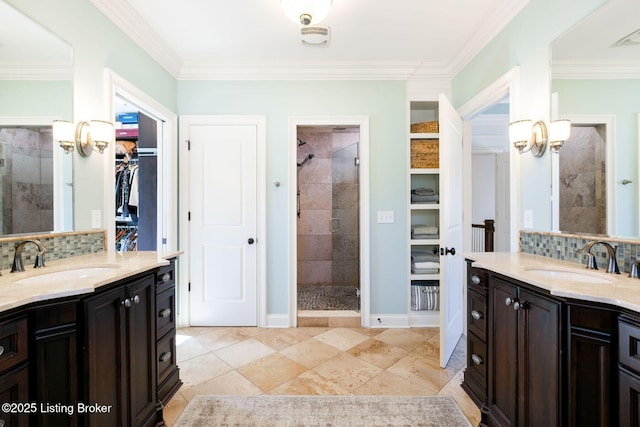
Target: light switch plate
point(96, 219)
point(386, 217)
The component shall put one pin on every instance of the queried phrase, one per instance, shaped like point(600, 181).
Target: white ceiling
point(254, 39)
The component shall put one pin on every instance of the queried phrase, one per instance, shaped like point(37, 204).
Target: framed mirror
point(595, 70)
point(36, 82)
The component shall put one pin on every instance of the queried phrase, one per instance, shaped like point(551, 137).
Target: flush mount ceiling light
point(630, 39)
point(306, 12)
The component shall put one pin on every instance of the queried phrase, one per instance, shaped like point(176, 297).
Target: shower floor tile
point(318, 297)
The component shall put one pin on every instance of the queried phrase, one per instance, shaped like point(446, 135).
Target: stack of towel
point(422, 231)
point(424, 262)
point(424, 195)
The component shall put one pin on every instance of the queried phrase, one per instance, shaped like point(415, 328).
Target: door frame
point(507, 84)
point(186, 122)
point(363, 152)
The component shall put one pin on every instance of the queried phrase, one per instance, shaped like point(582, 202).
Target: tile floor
point(316, 361)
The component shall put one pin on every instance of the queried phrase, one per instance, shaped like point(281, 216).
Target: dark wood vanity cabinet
point(525, 341)
point(629, 370)
point(14, 369)
point(119, 354)
point(167, 372)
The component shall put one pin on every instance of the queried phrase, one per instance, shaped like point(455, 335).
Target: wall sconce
point(525, 135)
point(306, 12)
point(85, 136)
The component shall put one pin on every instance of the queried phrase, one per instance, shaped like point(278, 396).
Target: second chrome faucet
point(18, 263)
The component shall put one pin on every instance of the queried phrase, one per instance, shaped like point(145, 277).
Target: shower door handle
point(334, 225)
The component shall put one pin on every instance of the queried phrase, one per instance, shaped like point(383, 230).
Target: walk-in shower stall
point(328, 240)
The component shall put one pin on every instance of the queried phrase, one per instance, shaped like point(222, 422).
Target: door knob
point(251, 241)
point(447, 251)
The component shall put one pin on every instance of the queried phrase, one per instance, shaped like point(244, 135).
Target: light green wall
point(97, 44)
point(384, 103)
point(37, 98)
point(525, 42)
point(622, 99)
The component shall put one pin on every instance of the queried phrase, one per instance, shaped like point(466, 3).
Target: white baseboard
point(389, 321)
point(278, 321)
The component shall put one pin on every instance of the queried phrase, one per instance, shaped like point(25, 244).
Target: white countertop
point(126, 264)
point(621, 290)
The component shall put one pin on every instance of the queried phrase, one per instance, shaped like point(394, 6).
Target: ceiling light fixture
point(306, 12)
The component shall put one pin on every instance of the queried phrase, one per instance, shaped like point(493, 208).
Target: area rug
point(308, 411)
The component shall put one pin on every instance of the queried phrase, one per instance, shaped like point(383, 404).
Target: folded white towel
point(426, 264)
point(424, 229)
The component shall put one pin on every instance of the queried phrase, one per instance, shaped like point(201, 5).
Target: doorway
point(332, 231)
point(327, 210)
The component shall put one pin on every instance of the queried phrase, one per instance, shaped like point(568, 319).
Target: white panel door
point(452, 290)
point(222, 236)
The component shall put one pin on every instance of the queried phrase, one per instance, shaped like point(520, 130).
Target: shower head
point(301, 142)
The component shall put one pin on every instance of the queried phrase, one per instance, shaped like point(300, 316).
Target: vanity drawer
point(165, 312)
point(166, 354)
point(477, 279)
point(13, 343)
point(477, 314)
point(477, 358)
point(165, 277)
point(629, 345)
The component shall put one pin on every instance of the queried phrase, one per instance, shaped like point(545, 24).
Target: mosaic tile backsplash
point(59, 246)
point(566, 246)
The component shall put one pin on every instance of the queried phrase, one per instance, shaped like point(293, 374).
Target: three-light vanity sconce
point(526, 135)
point(85, 136)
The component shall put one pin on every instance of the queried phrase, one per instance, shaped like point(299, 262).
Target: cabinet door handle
point(165, 356)
point(475, 279)
point(136, 299)
point(476, 359)
point(165, 313)
point(126, 302)
point(508, 301)
point(517, 305)
point(166, 277)
point(1, 352)
point(476, 314)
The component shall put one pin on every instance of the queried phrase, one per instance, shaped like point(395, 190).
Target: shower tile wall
point(582, 182)
point(326, 258)
point(26, 168)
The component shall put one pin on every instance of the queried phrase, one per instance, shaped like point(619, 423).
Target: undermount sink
point(575, 276)
point(69, 274)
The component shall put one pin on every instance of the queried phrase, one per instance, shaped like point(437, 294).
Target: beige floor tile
point(428, 353)
point(202, 368)
point(347, 371)
point(231, 383)
point(244, 352)
point(174, 408)
point(309, 383)
point(223, 337)
point(271, 371)
point(453, 389)
point(377, 352)
point(311, 353)
point(413, 368)
point(342, 338)
point(279, 339)
point(390, 384)
point(187, 347)
point(403, 338)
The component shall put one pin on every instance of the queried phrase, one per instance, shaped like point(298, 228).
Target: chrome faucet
point(18, 263)
point(612, 263)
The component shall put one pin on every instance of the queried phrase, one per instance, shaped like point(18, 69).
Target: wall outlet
point(96, 219)
point(528, 218)
point(386, 217)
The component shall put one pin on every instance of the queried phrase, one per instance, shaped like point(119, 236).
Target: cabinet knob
point(1, 353)
point(475, 279)
point(165, 356)
point(136, 299)
point(165, 313)
point(517, 305)
point(476, 359)
point(1, 423)
point(126, 302)
point(508, 301)
point(166, 277)
point(476, 314)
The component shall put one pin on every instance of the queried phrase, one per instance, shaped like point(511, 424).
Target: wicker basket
point(425, 153)
point(425, 127)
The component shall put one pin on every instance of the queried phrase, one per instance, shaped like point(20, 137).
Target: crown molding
point(294, 70)
point(484, 33)
point(35, 70)
point(596, 70)
point(132, 24)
